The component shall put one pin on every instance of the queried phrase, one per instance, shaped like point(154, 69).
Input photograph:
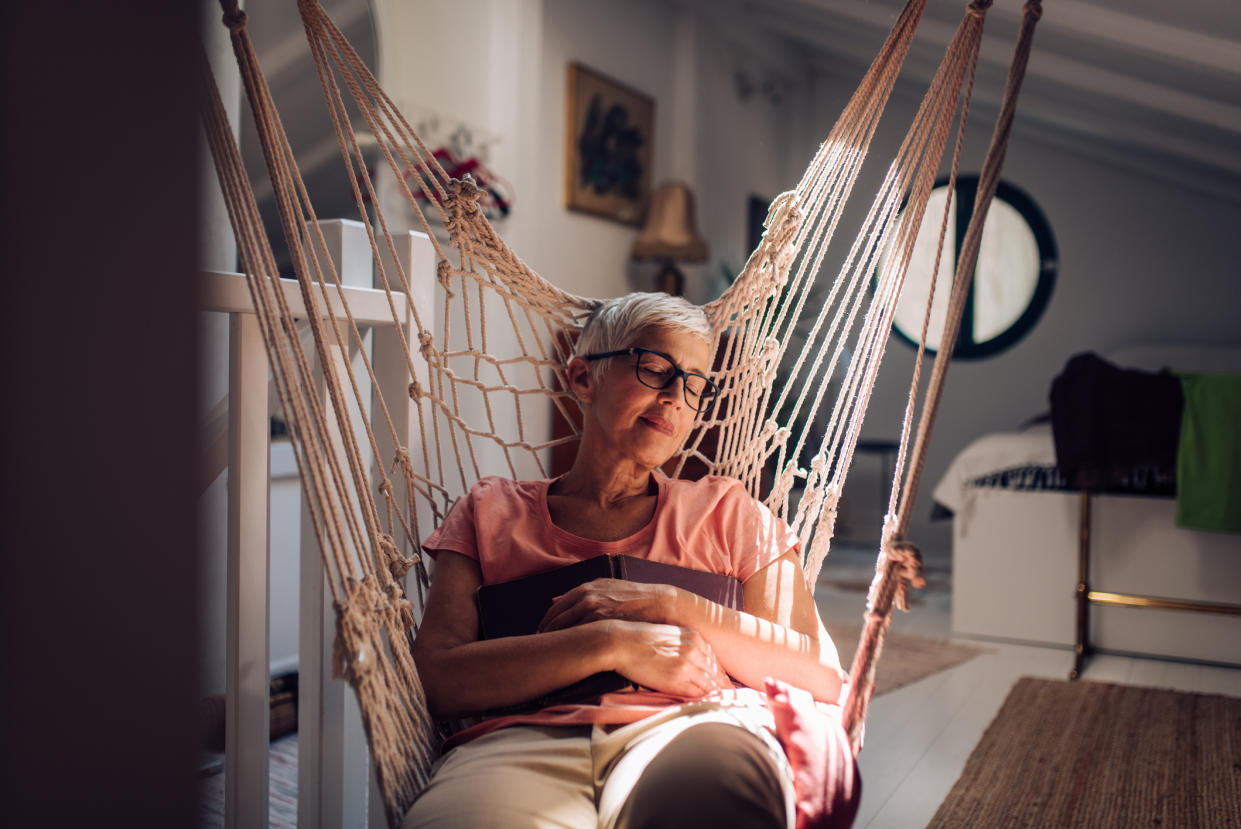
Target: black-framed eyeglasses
point(657, 370)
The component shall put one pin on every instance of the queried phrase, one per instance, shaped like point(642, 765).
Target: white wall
point(1141, 260)
point(514, 83)
point(750, 141)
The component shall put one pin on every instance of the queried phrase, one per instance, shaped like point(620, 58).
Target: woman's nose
point(674, 392)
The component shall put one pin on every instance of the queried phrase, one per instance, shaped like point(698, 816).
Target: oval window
point(1013, 277)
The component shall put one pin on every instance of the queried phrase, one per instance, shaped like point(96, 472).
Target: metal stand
point(1081, 651)
point(1085, 596)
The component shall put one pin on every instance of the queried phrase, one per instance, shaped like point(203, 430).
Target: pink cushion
point(825, 773)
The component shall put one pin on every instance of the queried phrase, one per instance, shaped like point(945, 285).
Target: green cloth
point(1208, 462)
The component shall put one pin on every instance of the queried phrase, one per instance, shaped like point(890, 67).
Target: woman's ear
point(580, 382)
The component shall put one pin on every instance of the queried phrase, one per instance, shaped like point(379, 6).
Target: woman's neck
point(602, 507)
point(606, 486)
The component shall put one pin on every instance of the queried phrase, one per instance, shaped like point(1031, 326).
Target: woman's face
point(644, 424)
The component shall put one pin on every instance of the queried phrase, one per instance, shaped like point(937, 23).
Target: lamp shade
point(669, 233)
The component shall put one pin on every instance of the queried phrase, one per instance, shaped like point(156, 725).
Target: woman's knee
point(528, 777)
point(713, 774)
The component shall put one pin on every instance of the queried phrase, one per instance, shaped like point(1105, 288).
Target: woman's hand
point(667, 658)
point(611, 599)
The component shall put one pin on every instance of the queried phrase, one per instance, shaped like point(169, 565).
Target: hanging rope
point(897, 557)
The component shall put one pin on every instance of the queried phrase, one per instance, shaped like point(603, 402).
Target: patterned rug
point(282, 787)
point(906, 657)
point(1078, 754)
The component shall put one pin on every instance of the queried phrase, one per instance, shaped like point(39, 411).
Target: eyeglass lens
point(658, 372)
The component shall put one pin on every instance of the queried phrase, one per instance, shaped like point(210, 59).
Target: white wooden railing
point(335, 786)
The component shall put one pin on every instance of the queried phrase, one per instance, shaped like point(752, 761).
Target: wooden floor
point(918, 737)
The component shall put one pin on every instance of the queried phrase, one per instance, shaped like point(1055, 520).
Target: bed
point(1018, 525)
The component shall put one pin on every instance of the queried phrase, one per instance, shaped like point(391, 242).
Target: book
point(515, 608)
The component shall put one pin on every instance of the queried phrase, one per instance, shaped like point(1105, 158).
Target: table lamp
point(669, 235)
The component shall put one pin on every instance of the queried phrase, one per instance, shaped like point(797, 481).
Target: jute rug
point(905, 658)
point(1078, 754)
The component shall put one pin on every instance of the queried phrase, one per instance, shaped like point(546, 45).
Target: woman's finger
point(564, 612)
point(555, 617)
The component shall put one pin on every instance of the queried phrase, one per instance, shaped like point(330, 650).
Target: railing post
point(247, 712)
point(333, 763)
point(334, 789)
point(416, 256)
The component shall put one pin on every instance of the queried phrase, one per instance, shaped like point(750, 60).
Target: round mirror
point(1012, 280)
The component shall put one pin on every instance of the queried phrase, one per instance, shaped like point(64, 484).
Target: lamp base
point(670, 280)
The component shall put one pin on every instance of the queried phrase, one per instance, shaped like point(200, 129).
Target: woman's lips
point(658, 424)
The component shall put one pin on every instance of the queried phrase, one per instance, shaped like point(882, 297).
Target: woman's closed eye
point(657, 373)
point(695, 385)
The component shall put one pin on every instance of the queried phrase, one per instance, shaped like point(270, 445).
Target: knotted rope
point(879, 606)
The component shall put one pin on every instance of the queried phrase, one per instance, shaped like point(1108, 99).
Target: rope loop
point(234, 18)
point(403, 607)
point(978, 8)
point(784, 480)
point(351, 657)
point(398, 565)
point(426, 346)
point(443, 274)
point(415, 390)
point(464, 194)
point(904, 563)
point(832, 498)
point(785, 211)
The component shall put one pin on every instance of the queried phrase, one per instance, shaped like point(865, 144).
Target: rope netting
point(797, 354)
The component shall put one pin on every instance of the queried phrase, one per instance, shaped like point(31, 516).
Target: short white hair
point(617, 323)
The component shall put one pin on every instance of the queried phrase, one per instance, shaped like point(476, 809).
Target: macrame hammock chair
point(774, 411)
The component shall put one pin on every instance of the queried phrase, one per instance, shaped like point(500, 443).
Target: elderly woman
point(690, 740)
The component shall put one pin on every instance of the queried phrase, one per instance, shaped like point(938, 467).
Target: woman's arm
point(463, 675)
point(780, 634)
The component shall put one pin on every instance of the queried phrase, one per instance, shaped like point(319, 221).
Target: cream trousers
point(582, 776)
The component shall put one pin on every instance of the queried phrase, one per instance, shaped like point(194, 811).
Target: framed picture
point(755, 214)
point(608, 152)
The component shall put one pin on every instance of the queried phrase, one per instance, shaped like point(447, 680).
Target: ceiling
point(280, 41)
point(1148, 83)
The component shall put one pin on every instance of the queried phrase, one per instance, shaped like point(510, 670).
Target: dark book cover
point(515, 608)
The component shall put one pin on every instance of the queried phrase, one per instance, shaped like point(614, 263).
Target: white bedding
point(997, 451)
point(1033, 446)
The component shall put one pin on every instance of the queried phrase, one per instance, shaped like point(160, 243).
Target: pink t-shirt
point(711, 524)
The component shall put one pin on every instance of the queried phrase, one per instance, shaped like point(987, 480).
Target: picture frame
point(608, 148)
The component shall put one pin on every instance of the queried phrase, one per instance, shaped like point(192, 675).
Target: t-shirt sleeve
point(458, 533)
point(754, 537)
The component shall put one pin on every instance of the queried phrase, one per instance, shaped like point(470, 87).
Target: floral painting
point(610, 130)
